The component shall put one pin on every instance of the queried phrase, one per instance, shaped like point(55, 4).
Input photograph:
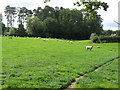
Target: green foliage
point(91, 7)
point(51, 27)
point(3, 28)
point(35, 27)
point(94, 38)
point(53, 22)
point(107, 32)
point(62, 23)
point(12, 31)
point(10, 13)
point(108, 39)
point(33, 63)
point(1, 24)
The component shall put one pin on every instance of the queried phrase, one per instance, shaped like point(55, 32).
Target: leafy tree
point(35, 27)
point(23, 14)
point(12, 31)
point(3, 28)
point(0, 23)
point(94, 38)
point(51, 27)
point(117, 32)
point(92, 6)
point(10, 13)
point(44, 13)
point(107, 32)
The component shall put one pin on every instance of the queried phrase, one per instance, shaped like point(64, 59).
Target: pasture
point(106, 77)
point(34, 63)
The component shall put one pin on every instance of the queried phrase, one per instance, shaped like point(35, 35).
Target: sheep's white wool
point(69, 41)
point(89, 47)
point(45, 39)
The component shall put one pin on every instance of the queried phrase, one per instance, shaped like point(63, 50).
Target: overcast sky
point(108, 16)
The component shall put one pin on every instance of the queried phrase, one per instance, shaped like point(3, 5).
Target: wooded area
point(56, 22)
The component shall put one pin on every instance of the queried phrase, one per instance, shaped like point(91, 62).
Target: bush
point(110, 39)
point(12, 31)
point(104, 39)
point(94, 38)
point(15, 31)
point(20, 33)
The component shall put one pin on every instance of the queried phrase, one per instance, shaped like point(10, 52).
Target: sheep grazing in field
point(39, 37)
point(98, 46)
point(70, 42)
point(89, 47)
point(45, 39)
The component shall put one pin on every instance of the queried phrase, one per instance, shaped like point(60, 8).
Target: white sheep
point(98, 46)
point(45, 39)
point(38, 37)
point(89, 47)
point(70, 42)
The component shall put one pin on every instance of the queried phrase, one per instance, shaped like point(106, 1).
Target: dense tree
point(63, 23)
point(52, 27)
point(107, 32)
point(35, 27)
point(23, 14)
point(58, 23)
point(1, 23)
point(3, 28)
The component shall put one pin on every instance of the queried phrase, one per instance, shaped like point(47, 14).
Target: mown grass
point(34, 63)
point(105, 77)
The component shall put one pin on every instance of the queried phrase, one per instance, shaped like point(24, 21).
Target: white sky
point(108, 16)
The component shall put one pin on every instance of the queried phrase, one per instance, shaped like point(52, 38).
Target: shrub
point(109, 39)
point(94, 38)
point(12, 31)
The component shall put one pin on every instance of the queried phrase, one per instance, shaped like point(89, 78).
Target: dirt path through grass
point(73, 84)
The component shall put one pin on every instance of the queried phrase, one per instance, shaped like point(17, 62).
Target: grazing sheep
point(98, 46)
point(70, 42)
point(38, 37)
point(45, 39)
point(89, 47)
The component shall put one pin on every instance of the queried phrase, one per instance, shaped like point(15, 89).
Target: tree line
point(52, 22)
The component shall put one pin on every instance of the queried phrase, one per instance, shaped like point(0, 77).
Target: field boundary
point(73, 84)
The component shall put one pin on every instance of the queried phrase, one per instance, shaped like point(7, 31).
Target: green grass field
point(106, 77)
point(34, 63)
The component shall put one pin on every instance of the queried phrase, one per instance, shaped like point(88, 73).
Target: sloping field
point(34, 63)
